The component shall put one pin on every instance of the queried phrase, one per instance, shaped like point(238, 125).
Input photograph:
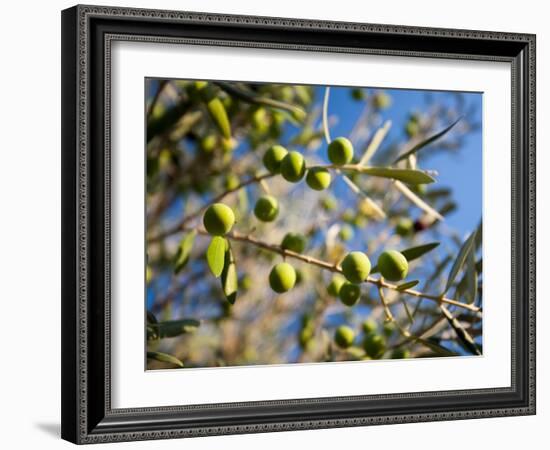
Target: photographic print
point(310, 224)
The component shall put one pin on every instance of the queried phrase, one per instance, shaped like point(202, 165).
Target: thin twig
point(415, 199)
point(180, 226)
point(375, 142)
point(249, 97)
point(354, 188)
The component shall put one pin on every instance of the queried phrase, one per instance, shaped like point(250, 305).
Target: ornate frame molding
point(86, 422)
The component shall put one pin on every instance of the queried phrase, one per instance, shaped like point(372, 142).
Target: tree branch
point(247, 238)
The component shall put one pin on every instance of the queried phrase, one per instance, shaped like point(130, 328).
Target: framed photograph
point(280, 224)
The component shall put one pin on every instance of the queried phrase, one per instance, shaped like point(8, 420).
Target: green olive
point(389, 328)
point(404, 227)
point(346, 232)
point(299, 277)
point(336, 283)
point(344, 336)
point(294, 242)
point(318, 178)
point(369, 326)
point(305, 337)
point(382, 100)
point(374, 345)
point(232, 181)
point(400, 353)
point(329, 203)
point(245, 282)
point(349, 293)
point(340, 151)
point(273, 157)
point(349, 215)
point(293, 167)
point(412, 128)
point(356, 267)
point(282, 277)
point(218, 219)
point(208, 143)
point(357, 94)
point(393, 265)
point(266, 208)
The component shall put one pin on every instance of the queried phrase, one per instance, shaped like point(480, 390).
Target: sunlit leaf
point(219, 116)
point(408, 176)
point(184, 251)
point(215, 255)
point(229, 277)
point(164, 357)
point(426, 142)
point(407, 285)
point(355, 352)
point(460, 260)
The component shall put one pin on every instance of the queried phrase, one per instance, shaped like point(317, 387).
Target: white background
point(30, 225)
point(133, 387)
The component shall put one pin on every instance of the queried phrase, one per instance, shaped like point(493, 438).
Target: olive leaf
point(467, 286)
point(246, 95)
point(164, 357)
point(408, 176)
point(151, 317)
point(172, 328)
point(219, 116)
point(464, 337)
point(426, 142)
point(184, 251)
point(407, 285)
point(215, 255)
point(416, 252)
point(229, 277)
point(466, 248)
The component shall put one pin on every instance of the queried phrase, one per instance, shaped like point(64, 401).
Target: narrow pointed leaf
point(164, 357)
point(219, 116)
point(426, 142)
point(215, 255)
point(184, 251)
point(407, 285)
point(470, 279)
point(151, 317)
point(464, 337)
point(229, 277)
point(416, 252)
point(173, 328)
point(479, 235)
point(408, 176)
point(466, 248)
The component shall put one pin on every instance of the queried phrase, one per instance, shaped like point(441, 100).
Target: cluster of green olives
point(291, 165)
point(356, 267)
point(374, 343)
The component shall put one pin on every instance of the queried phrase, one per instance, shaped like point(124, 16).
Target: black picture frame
point(87, 33)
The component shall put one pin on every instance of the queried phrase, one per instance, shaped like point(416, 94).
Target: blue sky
point(461, 171)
